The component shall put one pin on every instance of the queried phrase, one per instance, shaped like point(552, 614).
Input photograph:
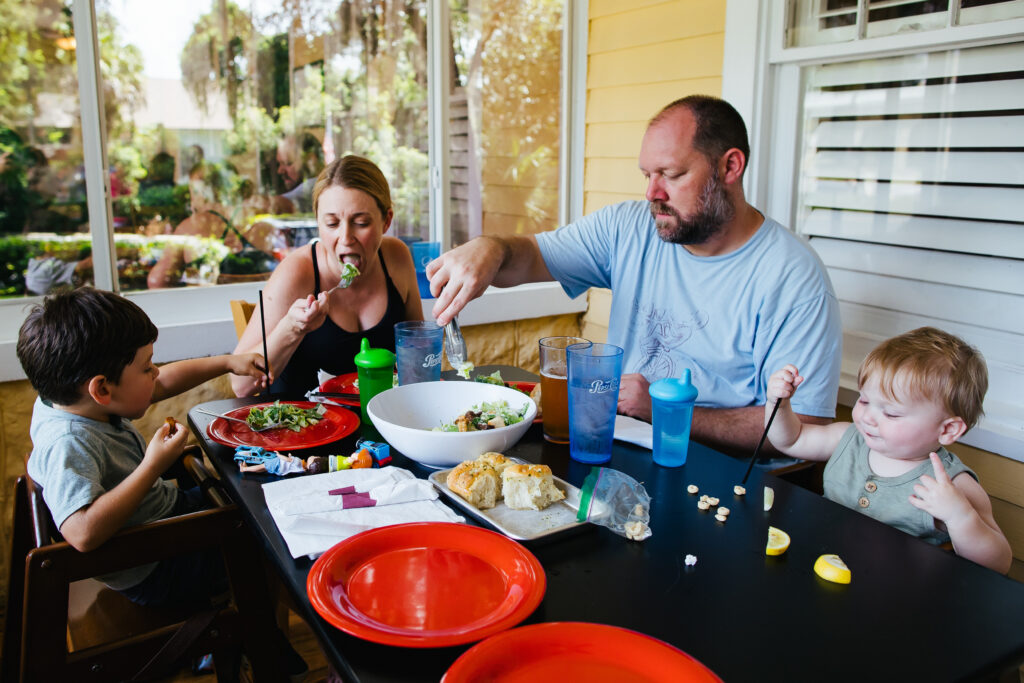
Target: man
point(300, 159)
point(721, 289)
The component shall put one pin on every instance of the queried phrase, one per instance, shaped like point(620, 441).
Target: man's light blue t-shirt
point(732, 319)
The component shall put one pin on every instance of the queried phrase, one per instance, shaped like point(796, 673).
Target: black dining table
point(912, 612)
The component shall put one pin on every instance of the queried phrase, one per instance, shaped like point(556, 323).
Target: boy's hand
point(939, 497)
point(164, 450)
point(783, 384)
point(249, 365)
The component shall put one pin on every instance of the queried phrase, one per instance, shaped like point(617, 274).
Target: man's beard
point(713, 211)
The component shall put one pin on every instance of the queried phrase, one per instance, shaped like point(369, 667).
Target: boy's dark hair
point(75, 335)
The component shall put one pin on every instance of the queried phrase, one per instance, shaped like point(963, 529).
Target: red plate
point(337, 423)
point(426, 584)
point(344, 384)
point(571, 651)
point(526, 387)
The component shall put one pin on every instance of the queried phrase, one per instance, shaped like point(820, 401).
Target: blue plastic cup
point(594, 373)
point(418, 345)
point(672, 402)
point(422, 254)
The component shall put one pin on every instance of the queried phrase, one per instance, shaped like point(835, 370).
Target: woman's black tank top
point(331, 348)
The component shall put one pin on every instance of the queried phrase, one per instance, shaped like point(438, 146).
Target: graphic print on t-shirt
point(661, 335)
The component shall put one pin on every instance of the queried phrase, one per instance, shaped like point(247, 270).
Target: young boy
point(89, 354)
point(919, 392)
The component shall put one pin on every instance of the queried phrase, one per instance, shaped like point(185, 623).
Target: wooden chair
point(64, 625)
point(241, 311)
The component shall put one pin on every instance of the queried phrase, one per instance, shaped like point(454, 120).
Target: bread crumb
point(721, 518)
point(703, 505)
point(723, 511)
point(739, 490)
point(690, 560)
point(692, 488)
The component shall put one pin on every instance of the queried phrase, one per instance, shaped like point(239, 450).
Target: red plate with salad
point(334, 423)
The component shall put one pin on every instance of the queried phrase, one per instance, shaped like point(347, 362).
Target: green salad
point(348, 273)
point(487, 415)
point(285, 415)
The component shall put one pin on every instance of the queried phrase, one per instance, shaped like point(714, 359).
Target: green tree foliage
point(215, 58)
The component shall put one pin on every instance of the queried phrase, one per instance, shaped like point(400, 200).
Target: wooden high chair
point(63, 625)
point(241, 311)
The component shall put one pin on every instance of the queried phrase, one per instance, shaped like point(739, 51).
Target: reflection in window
point(221, 114)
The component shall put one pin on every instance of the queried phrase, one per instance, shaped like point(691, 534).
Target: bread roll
point(535, 395)
point(496, 460)
point(529, 487)
point(477, 482)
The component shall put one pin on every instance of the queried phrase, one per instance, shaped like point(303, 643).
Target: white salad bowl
point(405, 416)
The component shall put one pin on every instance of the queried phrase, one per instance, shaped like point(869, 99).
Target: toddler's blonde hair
point(936, 366)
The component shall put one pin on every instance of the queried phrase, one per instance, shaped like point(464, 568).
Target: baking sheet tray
point(522, 525)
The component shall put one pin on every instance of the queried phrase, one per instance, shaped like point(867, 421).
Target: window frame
point(762, 78)
point(196, 321)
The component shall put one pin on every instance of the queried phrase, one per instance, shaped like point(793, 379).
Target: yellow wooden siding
point(640, 102)
point(699, 57)
point(615, 176)
point(603, 8)
point(656, 25)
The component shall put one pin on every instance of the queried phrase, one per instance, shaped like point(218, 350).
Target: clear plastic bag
point(617, 501)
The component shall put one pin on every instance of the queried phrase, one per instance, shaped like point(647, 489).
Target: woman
point(311, 323)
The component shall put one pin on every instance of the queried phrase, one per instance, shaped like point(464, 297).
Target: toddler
point(919, 392)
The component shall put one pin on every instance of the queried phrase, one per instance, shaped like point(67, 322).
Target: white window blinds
point(912, 192)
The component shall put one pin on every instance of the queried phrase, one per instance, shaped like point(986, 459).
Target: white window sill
point(196, 321)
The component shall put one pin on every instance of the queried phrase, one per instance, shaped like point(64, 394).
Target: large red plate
point(337, 423)
point(426, 584)
point(344, 384)
point(571, 651)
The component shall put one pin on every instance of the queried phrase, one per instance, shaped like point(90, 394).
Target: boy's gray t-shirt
point(76, 460)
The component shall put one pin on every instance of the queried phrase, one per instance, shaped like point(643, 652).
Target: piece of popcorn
point(690, 560)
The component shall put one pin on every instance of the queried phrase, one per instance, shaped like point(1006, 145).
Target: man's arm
point(736, 431)
point(462, 274)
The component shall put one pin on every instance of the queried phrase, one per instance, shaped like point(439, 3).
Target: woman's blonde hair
point(357, 173)
point(936, 366)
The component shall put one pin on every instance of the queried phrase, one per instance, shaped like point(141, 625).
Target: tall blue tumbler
point(672, 402)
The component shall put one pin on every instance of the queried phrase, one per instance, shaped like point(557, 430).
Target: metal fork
point(454, 344)
point(236, 419)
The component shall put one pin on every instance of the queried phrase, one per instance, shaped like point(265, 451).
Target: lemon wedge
point(831, 568)
point(778, 541)
point(769, 498)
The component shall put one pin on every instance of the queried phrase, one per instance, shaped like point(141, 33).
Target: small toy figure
point(332, 463)
point(380, 452)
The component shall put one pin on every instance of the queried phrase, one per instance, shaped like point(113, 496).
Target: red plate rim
point(344, 421)
point(342, 384)
point(653, 659)
point(525, 580)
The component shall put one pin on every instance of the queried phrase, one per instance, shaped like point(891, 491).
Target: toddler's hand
point(163, 450)
point(783, 384)
point(939, 497)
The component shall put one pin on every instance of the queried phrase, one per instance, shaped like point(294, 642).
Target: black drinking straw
point(266, 356)
point(757, 450)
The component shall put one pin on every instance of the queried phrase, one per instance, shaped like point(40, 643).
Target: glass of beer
point(554, 400)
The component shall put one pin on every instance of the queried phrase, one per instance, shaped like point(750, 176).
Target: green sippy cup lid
point(373, 358)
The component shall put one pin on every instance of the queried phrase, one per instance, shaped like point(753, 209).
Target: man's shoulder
point(790, 256)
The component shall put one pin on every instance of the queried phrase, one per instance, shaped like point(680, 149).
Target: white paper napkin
point(311, 520)
point(634, 431)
